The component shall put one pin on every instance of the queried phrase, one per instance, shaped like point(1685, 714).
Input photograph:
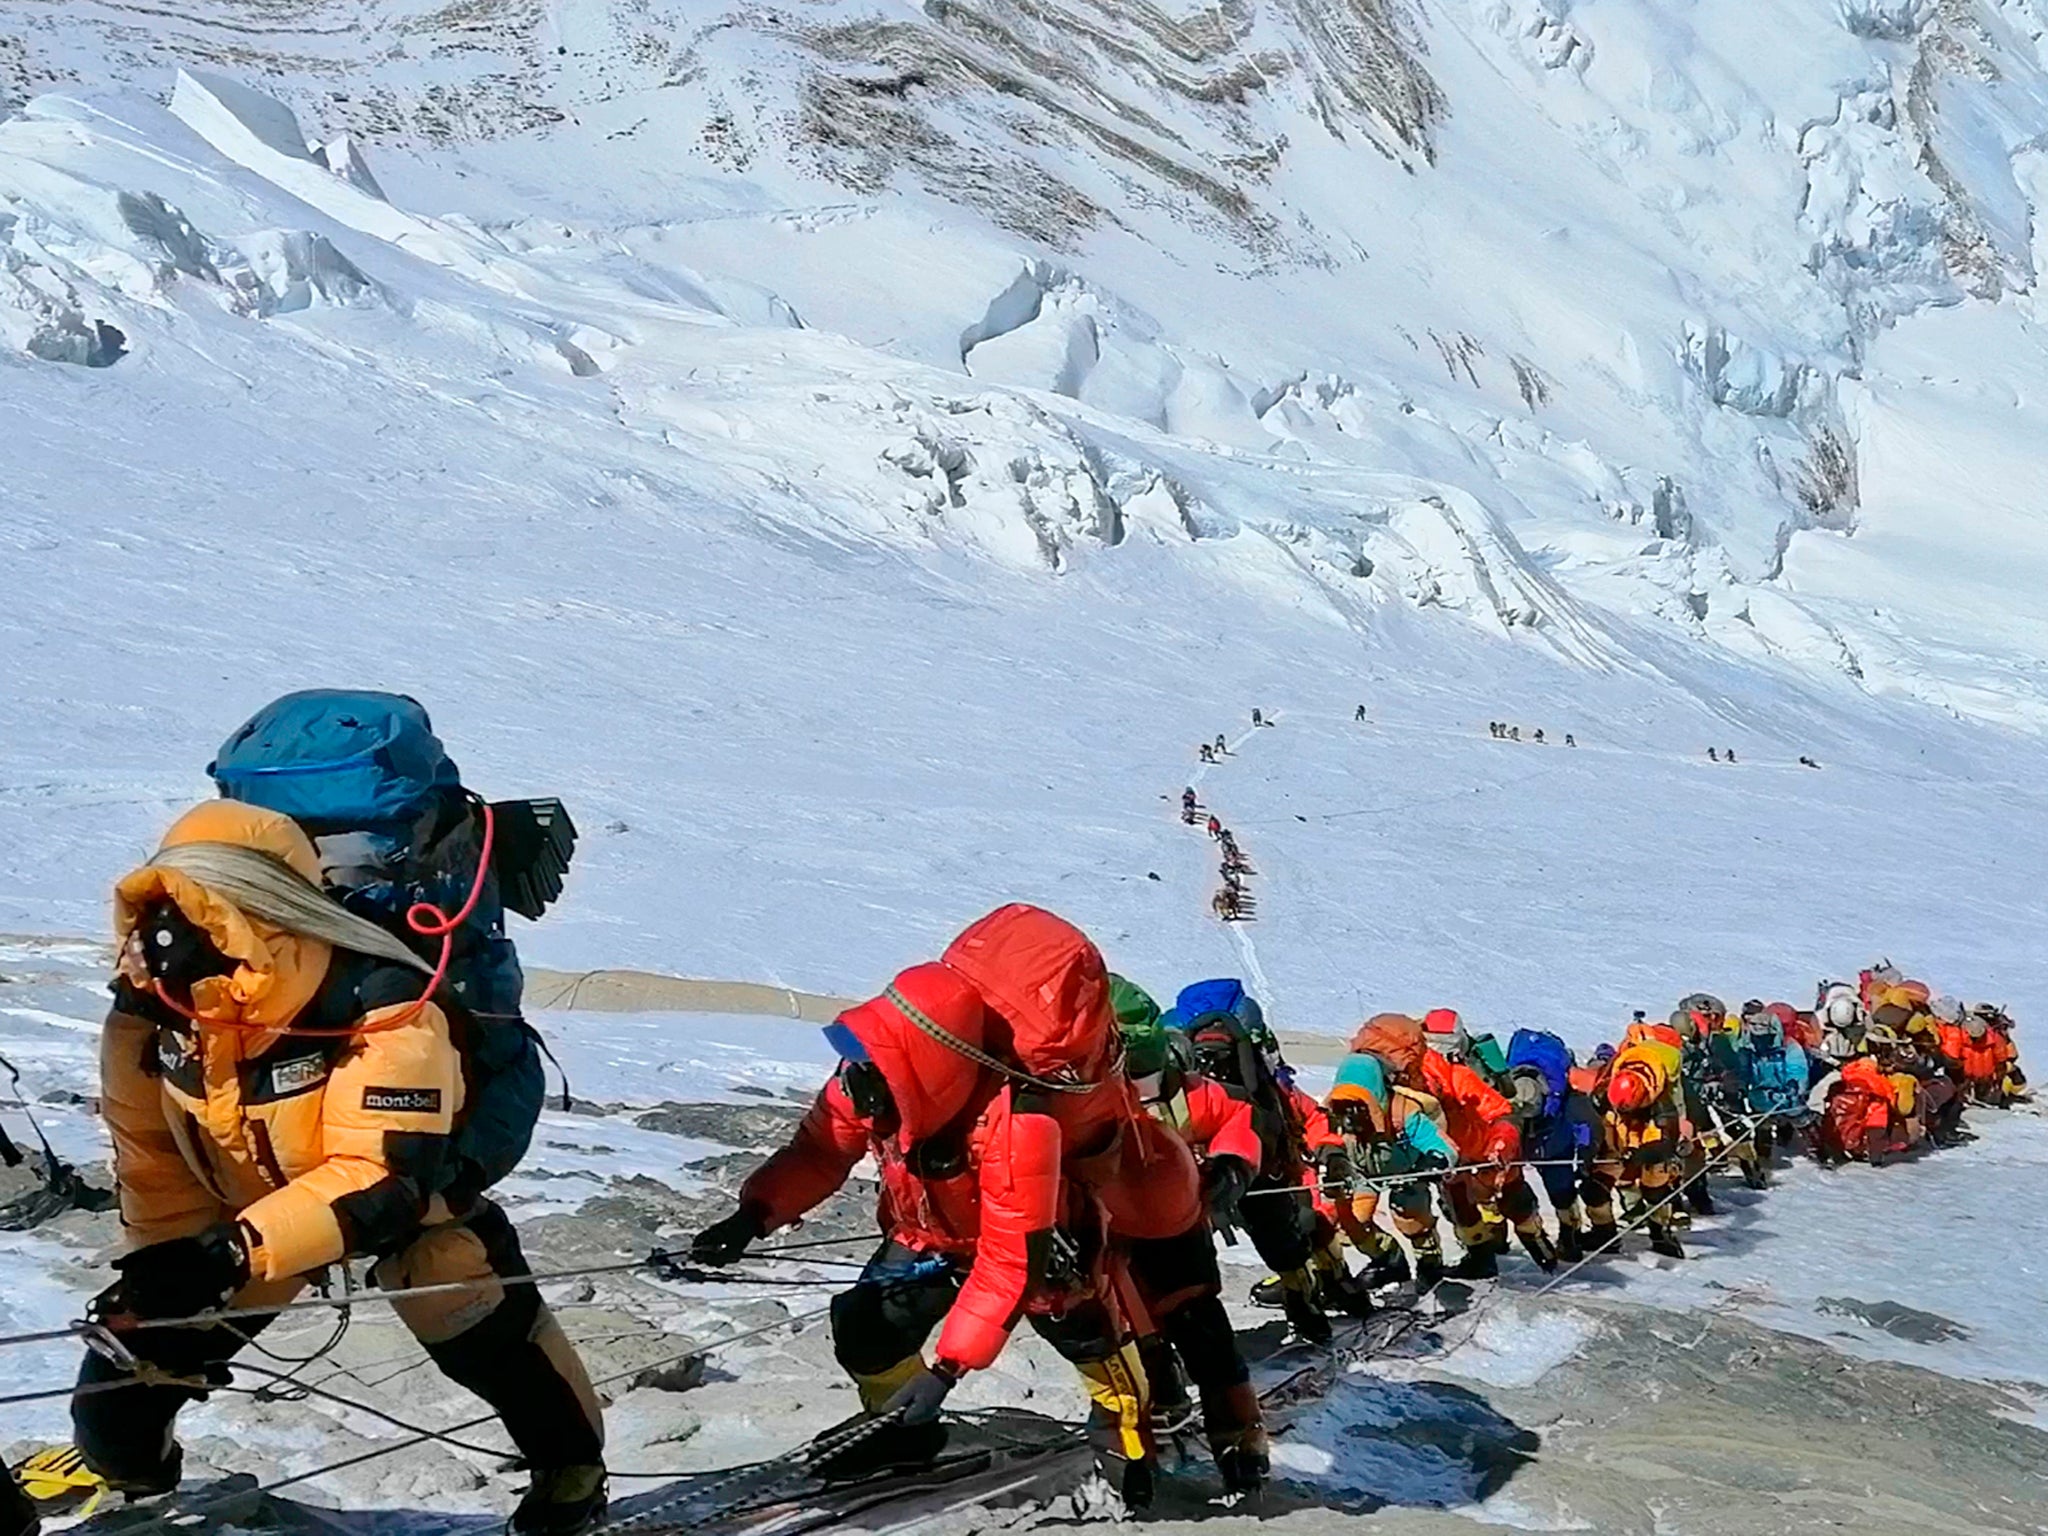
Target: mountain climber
point(1188, 804)
point(1385, 1136)
point(980, 1228)
point(1258, 718)
point(1767, 1074)
point(1560, 1129)
point(282, 1096)
point(1178, 1276)
point(366, 778)
point(1481, 1127)
point(1539, 736)
point(1705, 1135)
point(1639, 1145)
point(1215, 827)
point(1568, 741)
point(1979, 1051)
point(1862, 1116)
point(1359, 714)
point(1444, 1032)
point(1932, 1104)
point(1222, 745)
point(1713, 755)
point(1227, 1033)
point(1206, 752)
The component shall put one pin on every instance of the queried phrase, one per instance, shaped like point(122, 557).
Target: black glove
point(182, 1276)
point(920, 1398)
point(725, 1241)
point(1224, 1181)
point(1333, 1165)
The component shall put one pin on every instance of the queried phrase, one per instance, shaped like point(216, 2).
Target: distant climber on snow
point(1188, 804)
point(1359, 714)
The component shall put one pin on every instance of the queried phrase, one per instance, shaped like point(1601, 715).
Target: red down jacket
point(1214, 1122)
point(1047, 992)
point(964, 1173)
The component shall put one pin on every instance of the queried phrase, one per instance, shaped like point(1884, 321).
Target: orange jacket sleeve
point(161, 1197)
point(1020, 1205)
point(817, 1161)
point(386, 1120)
point(1472, 1091)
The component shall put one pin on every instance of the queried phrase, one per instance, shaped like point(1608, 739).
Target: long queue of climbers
point(316, 1054)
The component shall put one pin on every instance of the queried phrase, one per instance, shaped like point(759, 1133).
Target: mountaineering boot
point(1267, 1292)
point(1172, 1409)
point(1480, 1262)
point(1537, 1244)
point(1665, 1242)
point(59, 1482)
point(1602, 1237)
point(1386, 1263)
point(1429, 1265)
point(561, 1501)
point(1237, 1437)
point(1699, 1197)
point(18, 1510)
point(1335, 1285)
point(1120, 1424)
point(1571, 1243)
point(1305, 1317)
point(888, 1449)
point(1351, 1295)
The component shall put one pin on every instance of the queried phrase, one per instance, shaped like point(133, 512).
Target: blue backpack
point(1545, 1053)
point(366, 777)
point(338, 761)
point(1224, 995)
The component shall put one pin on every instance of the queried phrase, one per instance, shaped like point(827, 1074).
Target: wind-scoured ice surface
point(853, 454)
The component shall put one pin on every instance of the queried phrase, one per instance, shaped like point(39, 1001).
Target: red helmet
point(1627, 1091)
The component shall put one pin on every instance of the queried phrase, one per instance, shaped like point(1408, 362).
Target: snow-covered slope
point(854, 452)
point(854, 551)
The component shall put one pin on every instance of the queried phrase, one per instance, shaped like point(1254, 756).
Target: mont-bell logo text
point(403, 1101)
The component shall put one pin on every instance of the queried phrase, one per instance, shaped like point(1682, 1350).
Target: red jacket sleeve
point(1220, 1124)
point(1315, 1122)
point(818, 1159)
point(1020, 1203)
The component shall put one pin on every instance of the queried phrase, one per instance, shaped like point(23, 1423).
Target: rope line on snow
point(796, 1320)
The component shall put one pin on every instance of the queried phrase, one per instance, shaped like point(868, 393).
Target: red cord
point(423, 918)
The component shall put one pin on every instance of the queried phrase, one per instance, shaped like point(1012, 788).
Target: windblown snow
point(853, 454)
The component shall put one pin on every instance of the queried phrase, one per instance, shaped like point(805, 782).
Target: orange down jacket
point(320, 1147)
